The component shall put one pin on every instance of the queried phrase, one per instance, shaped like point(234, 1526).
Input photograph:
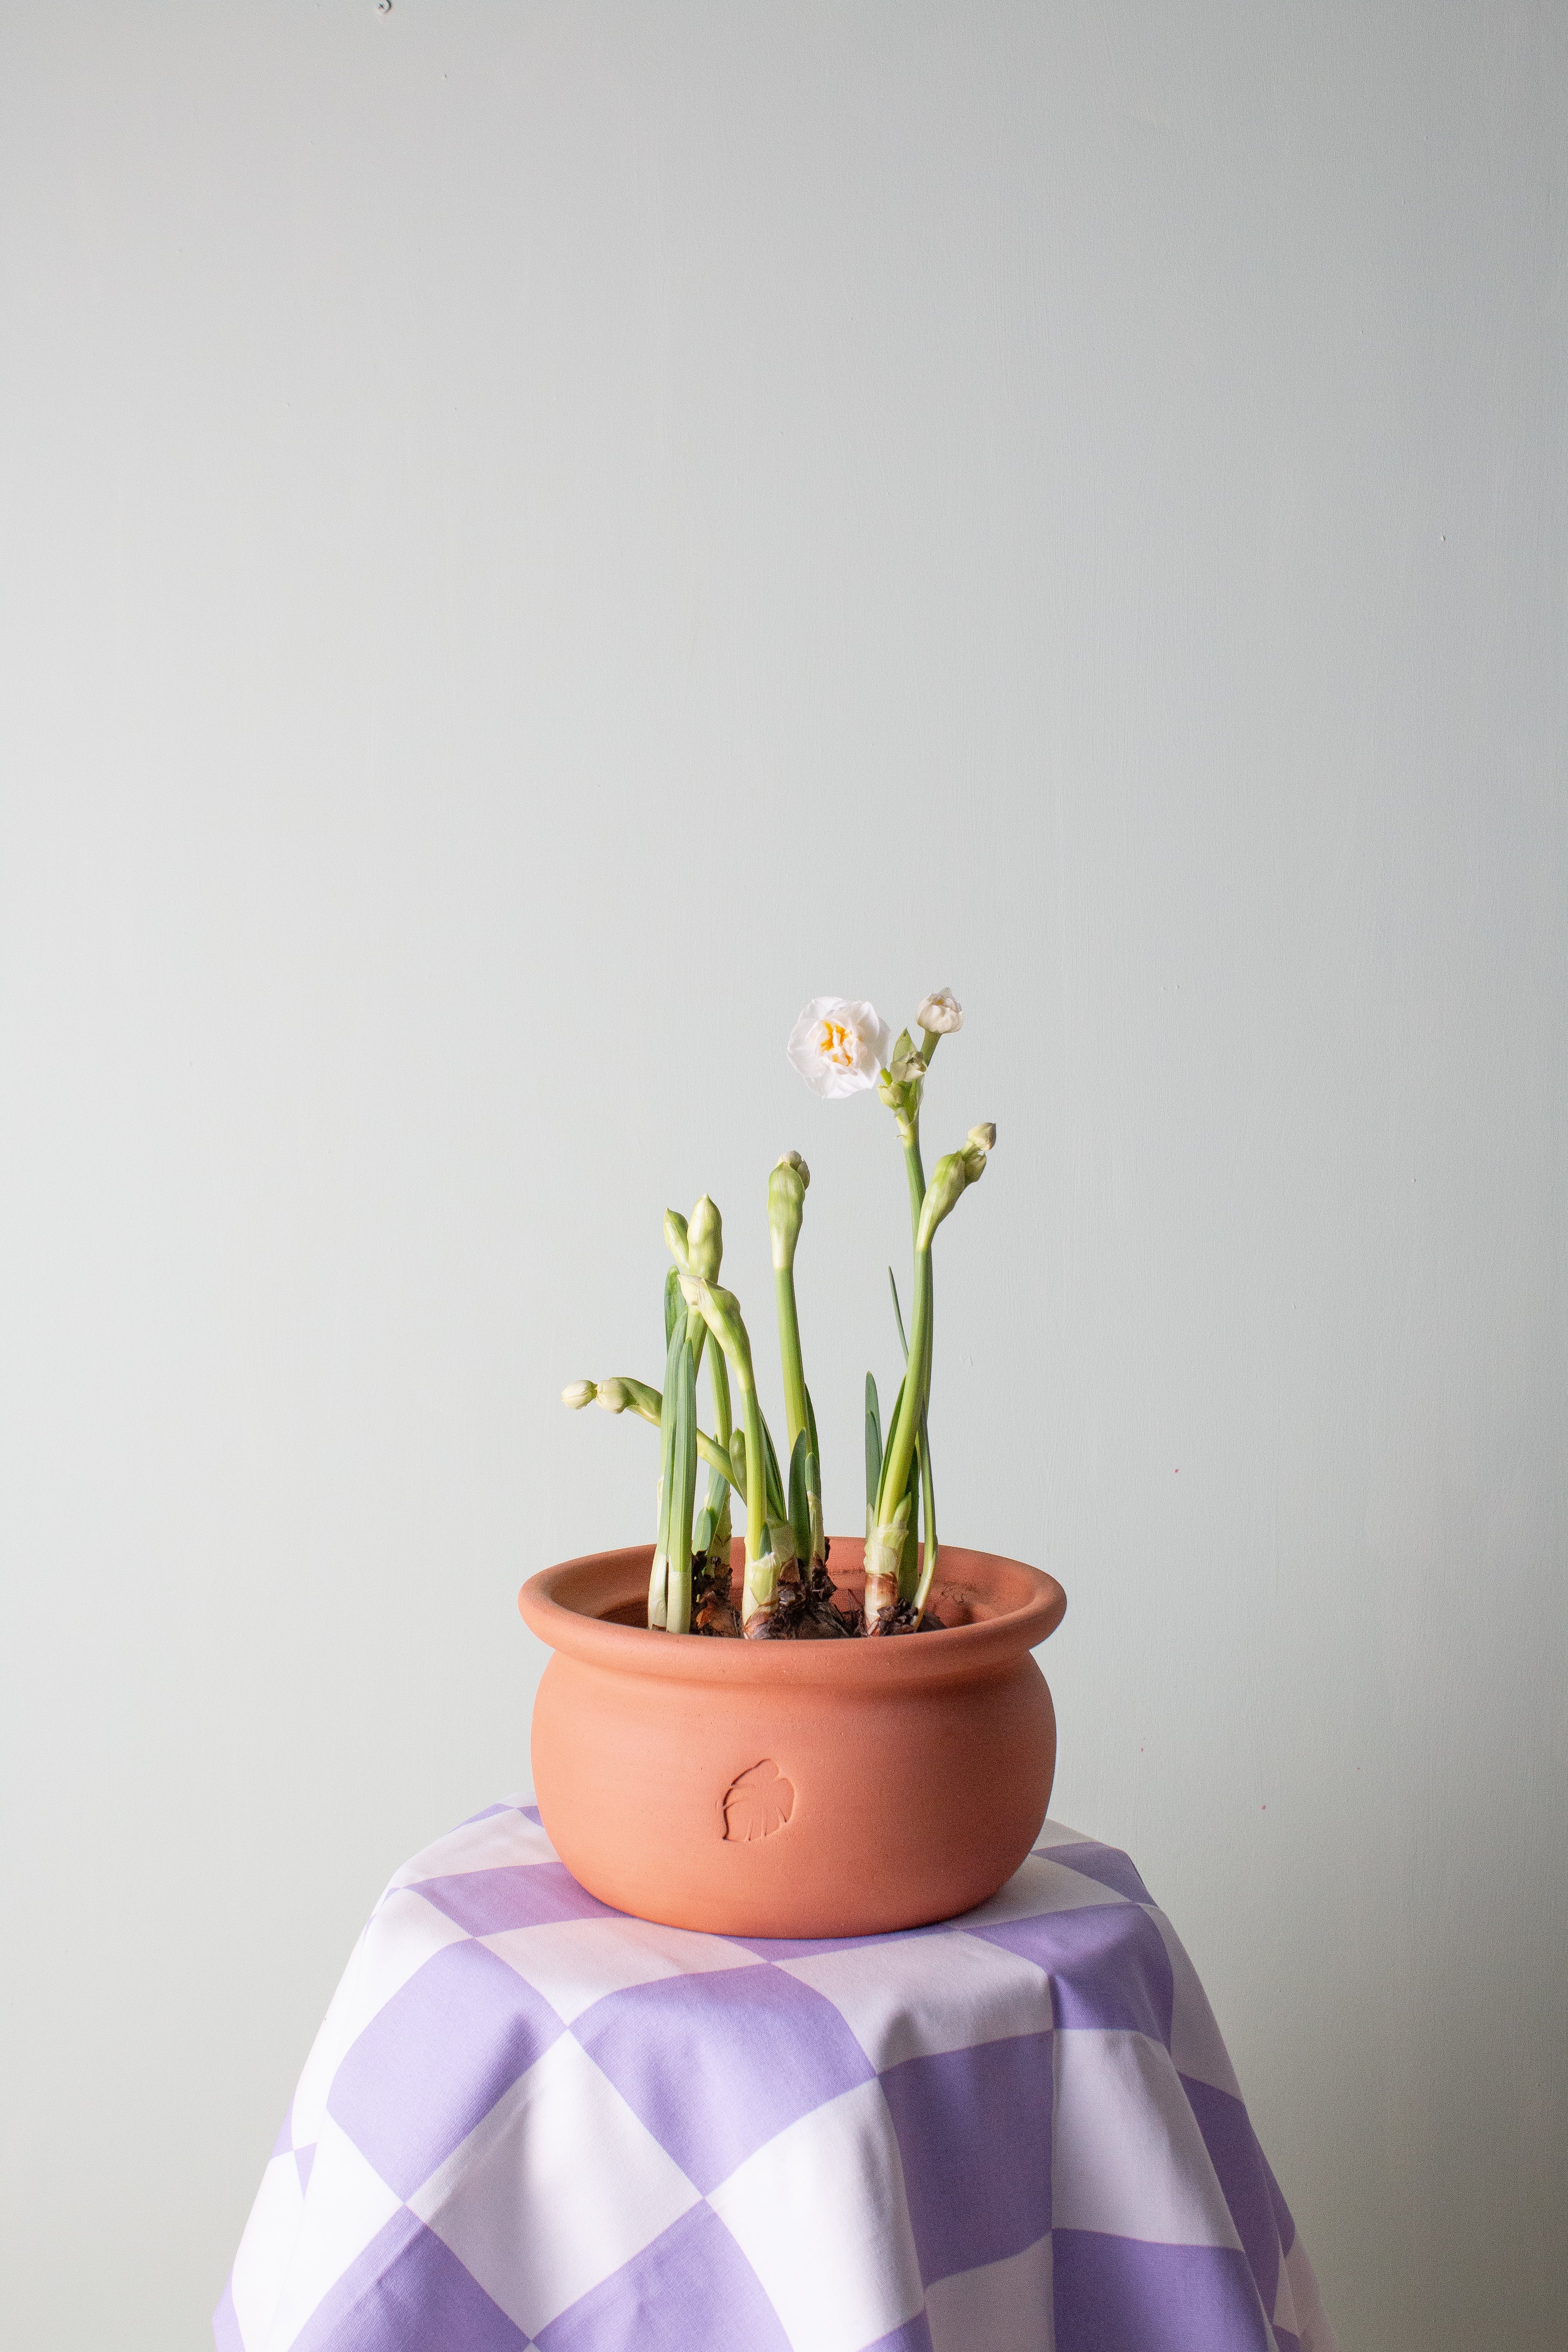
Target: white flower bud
point(613, 1396)
point(578, 1394)
point(978, 1143)
point(941, 1013)
point(792, 1160)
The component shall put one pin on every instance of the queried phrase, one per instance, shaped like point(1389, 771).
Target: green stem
point(928, 1514)
point(713, 1455)
point(789, 1355)
point(683, 1494)
point(912, 1403)
point(916, 1174)
point(649, 1405)
point(719, 1373)
point(760, 1584)
point(717, 1456)
point(659, 1574)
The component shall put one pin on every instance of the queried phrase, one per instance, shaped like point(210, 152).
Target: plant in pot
point(773, 1735)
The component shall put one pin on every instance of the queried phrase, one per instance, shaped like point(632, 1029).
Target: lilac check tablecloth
point(528, 2120)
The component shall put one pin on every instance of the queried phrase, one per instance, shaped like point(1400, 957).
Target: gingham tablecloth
point(530, 2120)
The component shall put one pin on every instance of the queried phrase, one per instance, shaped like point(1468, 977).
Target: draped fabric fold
point(530, 2121)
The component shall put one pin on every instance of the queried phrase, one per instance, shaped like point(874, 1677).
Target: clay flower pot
point(801, 1789)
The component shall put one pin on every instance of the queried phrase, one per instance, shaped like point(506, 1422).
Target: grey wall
point(537, 537)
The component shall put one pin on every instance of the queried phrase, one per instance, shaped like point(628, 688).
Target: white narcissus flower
point(839, 1045)
point(941, 1013)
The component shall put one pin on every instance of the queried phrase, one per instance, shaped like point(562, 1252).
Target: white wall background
point(536, 536)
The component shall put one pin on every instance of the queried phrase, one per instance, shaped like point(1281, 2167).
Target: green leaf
point(666, 1416)
point(775, 1489)
point(813, 1458)
point(873, 1443)
point(899, 1312)
point(909, 1559)
point(799, 1508)
point(892, 1425)
point(674, 1305)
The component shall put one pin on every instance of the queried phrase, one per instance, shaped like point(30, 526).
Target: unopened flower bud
point(632, 1396)
point(792, 1160)
point(787, 1206)
point(941, 1013)
point(720, 1310)
point(950, 1178)
point(907, 1070)
point(705, 1240)
point(676, 1238)
point(578, 1394)
point(980, 1141)
point(947, 1179)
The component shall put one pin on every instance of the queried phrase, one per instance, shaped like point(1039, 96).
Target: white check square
point(348, 2203)
point(947, 1992)
point(261, 2265)
point(1127, 2156)
point(499, 1841)
point(847, 2274)
point(556, 2187)
point(1039, 1884)
point(575, 1962)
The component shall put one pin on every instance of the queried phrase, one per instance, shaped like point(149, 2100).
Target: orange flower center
point(839, 1045)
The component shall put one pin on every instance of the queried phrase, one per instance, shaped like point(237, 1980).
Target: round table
point(530, 2120)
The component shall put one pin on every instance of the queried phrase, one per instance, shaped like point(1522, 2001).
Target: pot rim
point(557, 1604)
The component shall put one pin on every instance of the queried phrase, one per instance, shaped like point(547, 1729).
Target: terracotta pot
point(800, 1789)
